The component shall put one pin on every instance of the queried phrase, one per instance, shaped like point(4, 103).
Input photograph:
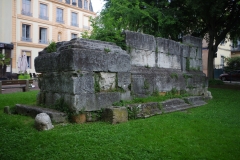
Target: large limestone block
point(85, 101)
point(119, 62)
point(145, 110)
point(68, 82)
point(89, 44)
point(107, 81)
point(43, 122)
point(192, 40)
point(124, 80)
point(162, 45)
point(48, 62)
point(164, 60)
point(106, 99)
point(115, 115)
point(94, 60)
point(140, 41)
point(142, 57)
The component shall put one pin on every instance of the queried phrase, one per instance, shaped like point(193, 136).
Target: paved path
point(12, 90)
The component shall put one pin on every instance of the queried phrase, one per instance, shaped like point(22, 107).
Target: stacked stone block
point(90, 75)
point(87, 74)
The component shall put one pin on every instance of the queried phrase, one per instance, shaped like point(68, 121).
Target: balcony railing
point(26, 13)
point(86, 27)
point(74, 24)
point(42, 41)
point(43, 17)
point(59, 20)
point(26, 39)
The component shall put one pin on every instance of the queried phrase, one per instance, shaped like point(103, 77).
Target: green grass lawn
point(207, 132)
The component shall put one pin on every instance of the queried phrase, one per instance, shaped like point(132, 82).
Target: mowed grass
point(207, 132)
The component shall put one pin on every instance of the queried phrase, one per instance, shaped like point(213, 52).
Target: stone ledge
point(32, 111)
point(195, 101)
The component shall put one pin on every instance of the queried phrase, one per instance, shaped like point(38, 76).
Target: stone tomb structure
point(90, 75)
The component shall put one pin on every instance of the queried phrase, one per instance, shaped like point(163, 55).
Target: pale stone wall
point(90, 75)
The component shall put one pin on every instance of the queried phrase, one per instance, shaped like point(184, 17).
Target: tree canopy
point(209, 19)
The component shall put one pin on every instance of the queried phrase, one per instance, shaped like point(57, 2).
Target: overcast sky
point(97, 5)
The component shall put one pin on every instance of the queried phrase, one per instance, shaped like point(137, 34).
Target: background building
point(30, 25)
point(226, 49)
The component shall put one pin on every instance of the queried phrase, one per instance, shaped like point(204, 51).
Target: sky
point(97, 5)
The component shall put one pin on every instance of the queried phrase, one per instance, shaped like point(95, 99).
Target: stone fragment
point(43, 122)
point(7, 110)
point(115, 115)
point(80, 118)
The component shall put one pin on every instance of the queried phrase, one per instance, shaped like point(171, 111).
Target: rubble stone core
point(90, 75)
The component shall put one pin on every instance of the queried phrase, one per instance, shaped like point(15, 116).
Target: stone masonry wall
point(162, 65)
point(90, 75)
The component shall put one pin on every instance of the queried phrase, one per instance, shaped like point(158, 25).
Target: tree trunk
point(210, 70)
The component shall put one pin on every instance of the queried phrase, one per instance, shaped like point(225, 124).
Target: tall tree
point(210, 19)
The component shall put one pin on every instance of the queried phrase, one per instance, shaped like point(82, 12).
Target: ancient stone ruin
point(90, 75)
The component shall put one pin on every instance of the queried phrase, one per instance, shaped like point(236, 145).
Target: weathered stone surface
point(68, 82)
point(48, 62)
point(124, 80)
point(140, 41)
point(106, 99)
point(175, 104)
point(195, 101)
point(80, 118)
point(86, 72)
point(115, 115)
point(43, 122)
point(145, 110)
point(32, 111)
point(107, 81)
point(7, 110)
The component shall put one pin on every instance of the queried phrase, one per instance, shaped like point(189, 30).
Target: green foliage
point(85, 35)
point(215, 82)
point(232, 64)
point(133, 112)
point(208, 132)
point(4, 60)
point(174, 75)
point(24, 76)
point(96, 83)
point(107, 50)
point(61, 105)
point(52, 47)
point(179, 135)
point(146, 84)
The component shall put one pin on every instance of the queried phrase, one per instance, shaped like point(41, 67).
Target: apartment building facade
point(30, 25)
point(226, 49)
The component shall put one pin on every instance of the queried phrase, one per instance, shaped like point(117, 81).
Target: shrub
point(52, 47)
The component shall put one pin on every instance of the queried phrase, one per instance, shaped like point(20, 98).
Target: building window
point(222, 61)
point(59, 36)
point(43, 12)
point(68, 1)
point(74, 2)
point(74, 19)
point(90, 6)
point(43, 35)
point(26, 7)
point(74, 35)
point(86, 23)
point(80, 3)
point(59, 15)
point(86, 4)
point(26, 29)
